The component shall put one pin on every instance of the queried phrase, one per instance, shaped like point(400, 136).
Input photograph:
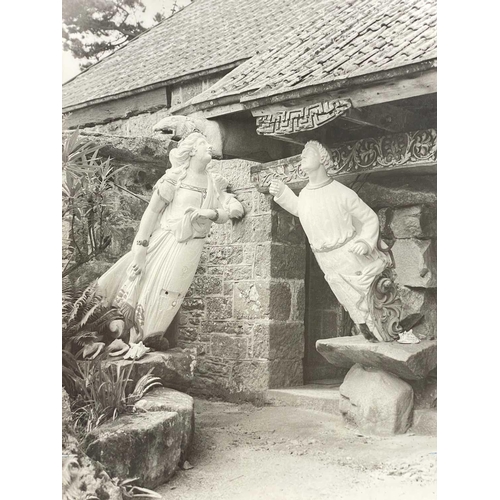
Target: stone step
point(321, 396)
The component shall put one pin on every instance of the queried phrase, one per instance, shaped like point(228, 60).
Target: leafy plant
point(88, 193)
point(103, 392)
point(144, 385)
point(85, 319)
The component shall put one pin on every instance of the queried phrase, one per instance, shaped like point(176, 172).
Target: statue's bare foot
point(367, 334)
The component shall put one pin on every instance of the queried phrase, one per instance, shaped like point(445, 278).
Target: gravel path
point(245, 452)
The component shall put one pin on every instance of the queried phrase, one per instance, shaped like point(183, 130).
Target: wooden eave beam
point(146, 88)
point(383, 116)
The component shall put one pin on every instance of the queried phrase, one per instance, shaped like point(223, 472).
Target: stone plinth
point(175, 367)
point(408, 361)
point(376, 402)
point(148, 444)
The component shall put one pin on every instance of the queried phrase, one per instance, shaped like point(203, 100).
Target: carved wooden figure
point(150, 282)
point(343, 232)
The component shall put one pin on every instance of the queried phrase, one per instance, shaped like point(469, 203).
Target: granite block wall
point(244, 313)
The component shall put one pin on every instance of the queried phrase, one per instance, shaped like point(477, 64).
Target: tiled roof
point(205, 34)
point(342, 39)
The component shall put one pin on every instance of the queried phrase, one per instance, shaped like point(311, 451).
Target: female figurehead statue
point(343, 232)
point(150, 282)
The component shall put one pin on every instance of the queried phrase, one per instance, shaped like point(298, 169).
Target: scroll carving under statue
point(343, 232)
point(150, 282)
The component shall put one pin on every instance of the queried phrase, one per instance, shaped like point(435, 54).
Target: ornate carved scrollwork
point(363, 156)
point(302, 119)
point(385, 305)
point(408, 148)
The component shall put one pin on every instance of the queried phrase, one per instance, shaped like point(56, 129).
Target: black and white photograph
point(241, 249)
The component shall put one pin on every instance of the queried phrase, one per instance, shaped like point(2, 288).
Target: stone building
point(357, 75)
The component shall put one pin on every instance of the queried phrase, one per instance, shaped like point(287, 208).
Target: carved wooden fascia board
point(408, 149)
point(308, 117)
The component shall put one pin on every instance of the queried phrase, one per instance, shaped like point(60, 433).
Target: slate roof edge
point(250, 101)
point(152, 86)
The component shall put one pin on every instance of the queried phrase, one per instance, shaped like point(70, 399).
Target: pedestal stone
point(175, 367)
point(408, 361)
point(376, 402)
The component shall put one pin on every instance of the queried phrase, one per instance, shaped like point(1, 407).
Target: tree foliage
point(92, 29)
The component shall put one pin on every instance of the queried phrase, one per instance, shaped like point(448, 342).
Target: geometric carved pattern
point(366, 155)
point(301, 119)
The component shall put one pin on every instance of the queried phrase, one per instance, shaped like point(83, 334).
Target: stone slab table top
point(408, 361)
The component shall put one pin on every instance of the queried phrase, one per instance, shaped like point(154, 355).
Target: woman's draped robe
point(151, 300)
point(334, 218)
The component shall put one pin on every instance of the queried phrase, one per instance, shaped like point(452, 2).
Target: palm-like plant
point(88, 192)
point(104, 392)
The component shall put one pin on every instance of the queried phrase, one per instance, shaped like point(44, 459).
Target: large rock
point(425, 392)
point(148, 150)
point(421, 301)
point(425, 422)
point(376, 402)
point(148, 444)
point(415, 262)
point(175, 367)
point(164, 399)
point(418, 221)
point(409, 361)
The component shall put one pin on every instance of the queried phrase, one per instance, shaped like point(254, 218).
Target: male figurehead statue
point(343, 232)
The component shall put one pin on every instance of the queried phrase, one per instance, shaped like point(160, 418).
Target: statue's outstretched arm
point(285, 197)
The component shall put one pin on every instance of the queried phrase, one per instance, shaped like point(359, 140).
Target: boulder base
point(148, 444)
point(175, 367)
point(376, 402)
point(408, 361)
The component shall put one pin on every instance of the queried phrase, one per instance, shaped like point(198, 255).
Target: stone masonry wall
point(408, 222)
point(244, 313)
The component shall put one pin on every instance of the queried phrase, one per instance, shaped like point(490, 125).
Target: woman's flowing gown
point(151, 300)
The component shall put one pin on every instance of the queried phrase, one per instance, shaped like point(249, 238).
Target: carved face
point(310, 160)
point(202, 151)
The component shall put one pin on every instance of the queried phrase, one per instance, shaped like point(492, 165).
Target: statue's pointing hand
point(277, 187)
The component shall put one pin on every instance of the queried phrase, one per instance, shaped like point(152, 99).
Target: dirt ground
point(245, 452)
